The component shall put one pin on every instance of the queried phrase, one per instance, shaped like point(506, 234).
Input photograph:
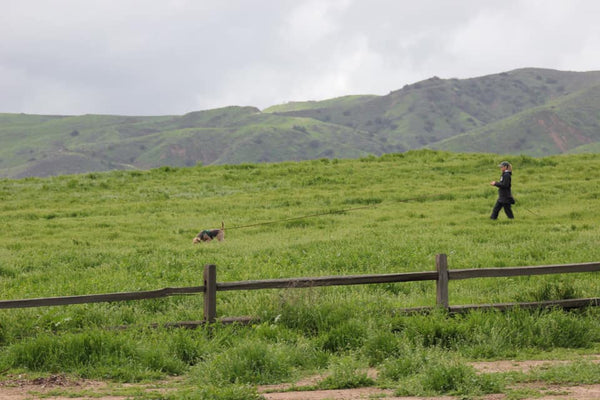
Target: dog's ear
point(222, 225)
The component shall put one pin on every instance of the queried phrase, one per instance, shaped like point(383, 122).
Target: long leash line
point(305, 216)
point(331, 212)
point(526, 209)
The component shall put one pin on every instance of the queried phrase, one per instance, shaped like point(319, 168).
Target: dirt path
point(58, 387)
point(548, 392)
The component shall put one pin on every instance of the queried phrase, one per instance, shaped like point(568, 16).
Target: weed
point(249, 362)
point(432, 371)
point(345, 373)
point(93, 354)
point(580, 372)
point(211, 392)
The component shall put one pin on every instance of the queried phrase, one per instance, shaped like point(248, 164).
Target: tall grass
point(128, 231)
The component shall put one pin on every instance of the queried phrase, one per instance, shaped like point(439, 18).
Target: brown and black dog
point(210, 234)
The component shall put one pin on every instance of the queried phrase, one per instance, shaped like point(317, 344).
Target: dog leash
point(420, 198)
point(525, 208)
point(305, 216)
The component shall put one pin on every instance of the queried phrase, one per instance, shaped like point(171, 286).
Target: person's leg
point(508, 211)
point(496, 210)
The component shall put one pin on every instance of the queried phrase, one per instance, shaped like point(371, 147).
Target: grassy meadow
point(132, 230)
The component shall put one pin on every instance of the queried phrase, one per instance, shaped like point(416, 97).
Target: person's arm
point(504, 182)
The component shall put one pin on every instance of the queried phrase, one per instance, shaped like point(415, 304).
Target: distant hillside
point(527, 111)
point(53, 145)
point(431, 111)
point(568, 124)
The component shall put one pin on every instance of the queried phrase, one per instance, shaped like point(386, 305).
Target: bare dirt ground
point(59, 387)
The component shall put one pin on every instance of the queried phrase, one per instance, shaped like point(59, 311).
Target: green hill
point(527, 111)
point(431, 111)
point(566, 124)
point(43, 146)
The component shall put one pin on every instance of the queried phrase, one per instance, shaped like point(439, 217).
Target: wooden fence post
point(210, 293)
point(441, 263)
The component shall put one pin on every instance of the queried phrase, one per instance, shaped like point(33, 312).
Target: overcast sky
point(157, 57)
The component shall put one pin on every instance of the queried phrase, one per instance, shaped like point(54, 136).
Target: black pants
point(498, 207)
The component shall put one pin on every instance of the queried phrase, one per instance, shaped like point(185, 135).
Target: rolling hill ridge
point(528, 111)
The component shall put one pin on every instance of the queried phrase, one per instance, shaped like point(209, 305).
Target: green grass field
point(130, 231)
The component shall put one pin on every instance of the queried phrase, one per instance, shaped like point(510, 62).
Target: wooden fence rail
point(442, 275)
point(327, 281)
point(99, 298)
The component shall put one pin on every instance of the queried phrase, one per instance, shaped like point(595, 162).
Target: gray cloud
point(149, 57)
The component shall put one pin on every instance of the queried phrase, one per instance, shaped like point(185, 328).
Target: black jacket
point(504, 194)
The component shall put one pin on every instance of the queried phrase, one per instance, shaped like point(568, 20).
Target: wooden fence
point(442, 275)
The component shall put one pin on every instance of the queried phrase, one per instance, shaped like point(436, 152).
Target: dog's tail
point(222, 225)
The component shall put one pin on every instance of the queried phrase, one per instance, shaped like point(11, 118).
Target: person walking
point(505, 198)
